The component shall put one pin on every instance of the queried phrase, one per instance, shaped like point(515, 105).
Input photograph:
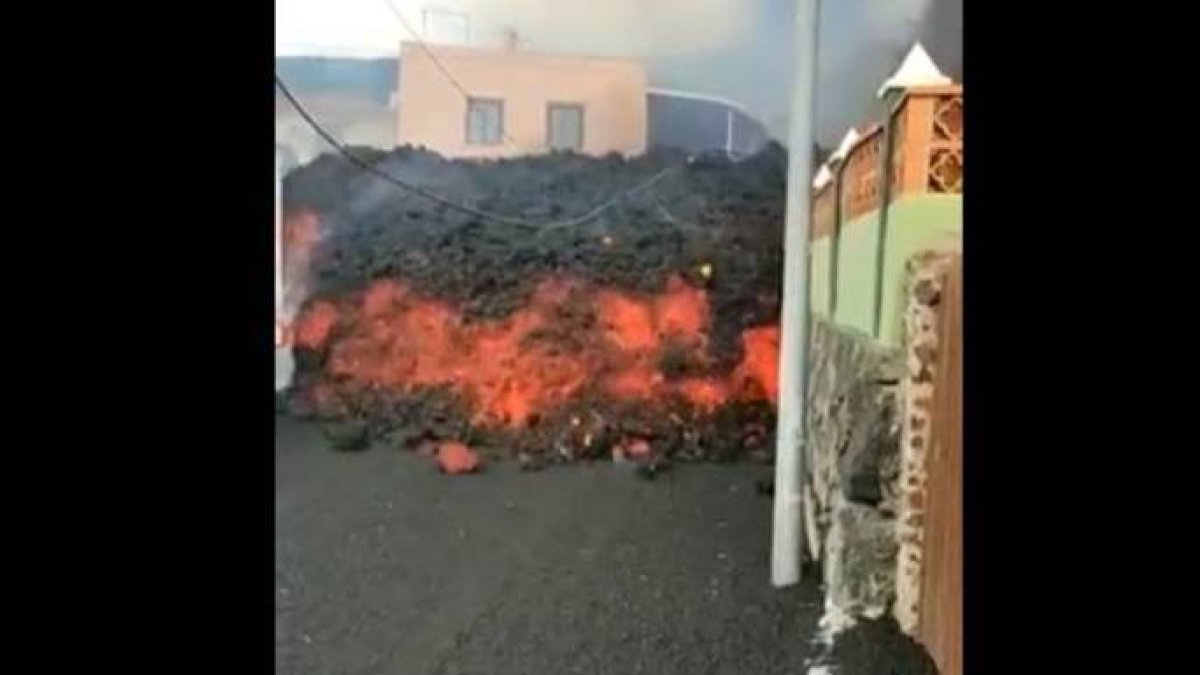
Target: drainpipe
point(885, 196)
point(788, 523)
point(836, 240)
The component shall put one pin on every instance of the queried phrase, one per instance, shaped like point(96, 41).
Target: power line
point(416, 36)
point(641, 187)
point(371, 168)
point(451, 204)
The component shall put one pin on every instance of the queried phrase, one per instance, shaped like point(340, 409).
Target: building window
point(564, 128)
point(485, 121)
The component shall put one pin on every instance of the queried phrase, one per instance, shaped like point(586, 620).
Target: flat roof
point(696, 96)
point(493, 52)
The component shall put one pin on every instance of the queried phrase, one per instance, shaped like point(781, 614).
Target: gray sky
point(740, 49)
point(627, 27)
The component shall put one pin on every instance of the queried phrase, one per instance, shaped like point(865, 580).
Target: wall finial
point(916, 70)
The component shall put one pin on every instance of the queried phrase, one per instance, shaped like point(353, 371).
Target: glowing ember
point(313, 328)
point(760, 361)
point(628, 323)
point(300, 233)
point(682, 312)
point(631, 449)
point(708, 395)
point(456, 458)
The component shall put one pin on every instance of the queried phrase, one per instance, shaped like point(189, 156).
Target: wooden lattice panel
point(946, 146)
point(948, 120)
point(926, 154)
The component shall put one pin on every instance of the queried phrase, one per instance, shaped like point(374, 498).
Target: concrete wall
point(863, 494)
point(915, 223)
point(433, 112)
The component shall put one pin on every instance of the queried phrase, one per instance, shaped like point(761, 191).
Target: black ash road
point(384, 566)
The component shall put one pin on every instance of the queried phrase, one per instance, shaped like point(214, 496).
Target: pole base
point(285, 367)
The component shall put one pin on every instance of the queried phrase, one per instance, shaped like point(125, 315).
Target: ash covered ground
point(647, 330)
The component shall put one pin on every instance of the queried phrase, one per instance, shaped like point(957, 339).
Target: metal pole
point(729, 132)
point(787, 528)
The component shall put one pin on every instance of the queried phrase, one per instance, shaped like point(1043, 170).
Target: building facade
point(471, 102)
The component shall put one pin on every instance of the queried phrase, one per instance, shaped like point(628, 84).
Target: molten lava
point(312, 329)
point(570, 340)
point(455, 458)
point(760, 363)
point(300, 234)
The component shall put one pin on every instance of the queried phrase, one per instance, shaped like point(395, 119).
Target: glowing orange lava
point(760, 360)
point(541, 356)
point(312, 329)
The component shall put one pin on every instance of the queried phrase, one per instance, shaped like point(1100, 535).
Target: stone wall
point(853, 467)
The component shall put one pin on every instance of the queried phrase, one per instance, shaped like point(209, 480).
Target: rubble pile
point(653, 325)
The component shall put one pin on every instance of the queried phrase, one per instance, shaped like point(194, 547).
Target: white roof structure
point(823, 177)
point(843, 148)
point(696, 96)
point(916, 70)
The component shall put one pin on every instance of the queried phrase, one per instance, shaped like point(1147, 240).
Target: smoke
point(941, 33)
point(861, 43)
point(637, 28)
point(739, 49)
point(887, 18)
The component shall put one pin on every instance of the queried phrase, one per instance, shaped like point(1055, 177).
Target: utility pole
point(787, 528)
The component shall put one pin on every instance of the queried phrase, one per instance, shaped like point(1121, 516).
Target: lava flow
point(652, 329)
point(568, 340)
point(300, 234)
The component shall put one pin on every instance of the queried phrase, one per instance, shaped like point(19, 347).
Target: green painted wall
point(915, 223)
point(818, 269)
point(856, 272)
